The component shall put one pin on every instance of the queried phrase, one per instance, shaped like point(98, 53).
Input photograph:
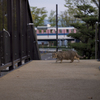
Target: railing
point(18, 40)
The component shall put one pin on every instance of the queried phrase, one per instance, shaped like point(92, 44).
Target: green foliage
point(85, 30)
point(38, 15)
point(96, 2)
point(66, 19)
point(52, 18)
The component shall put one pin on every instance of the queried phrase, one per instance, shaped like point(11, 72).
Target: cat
point(66, 55)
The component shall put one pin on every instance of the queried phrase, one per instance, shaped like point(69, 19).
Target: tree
point(86, 30)
point(38, 15)
point(66, 19)
point(52, 18)
point(96, 2)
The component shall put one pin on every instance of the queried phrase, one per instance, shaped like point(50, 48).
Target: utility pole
point(96, 25)
point(56, 27)
point(99, 34)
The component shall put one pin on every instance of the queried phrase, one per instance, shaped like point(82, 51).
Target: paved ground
point(47, 56)
point(47, 80)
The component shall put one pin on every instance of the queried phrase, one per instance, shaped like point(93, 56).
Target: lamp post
point(96, 26)
point(56, 27)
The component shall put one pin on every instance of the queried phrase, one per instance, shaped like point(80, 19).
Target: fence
point(18, 41)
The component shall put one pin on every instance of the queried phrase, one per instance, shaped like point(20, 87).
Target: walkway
point(47, 80)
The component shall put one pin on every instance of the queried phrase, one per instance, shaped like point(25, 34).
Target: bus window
point(67, 31)
point(50, 31)
point(72, 30)
point(60, 31)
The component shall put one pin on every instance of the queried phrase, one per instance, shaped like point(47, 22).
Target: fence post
point(10, 29)
point(19, 29)
point(0, 52)
point(99, 34)
point(26, 21)
point(0, 63)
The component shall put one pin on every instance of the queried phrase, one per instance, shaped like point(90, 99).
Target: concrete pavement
point(47, 80)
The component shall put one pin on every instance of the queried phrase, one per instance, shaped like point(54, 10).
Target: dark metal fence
point(17, 36)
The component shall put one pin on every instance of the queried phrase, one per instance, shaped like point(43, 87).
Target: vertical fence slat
point(18, 6)
point(0, 52)
point(26, 3)
point(3, 55)
point(10, 29)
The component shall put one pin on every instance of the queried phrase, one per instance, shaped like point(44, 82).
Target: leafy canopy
point(38, 15)
point(85, 30)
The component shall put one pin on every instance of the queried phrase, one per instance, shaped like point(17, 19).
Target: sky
point(48, 4)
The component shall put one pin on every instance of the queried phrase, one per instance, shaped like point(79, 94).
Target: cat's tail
point(78, 56)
